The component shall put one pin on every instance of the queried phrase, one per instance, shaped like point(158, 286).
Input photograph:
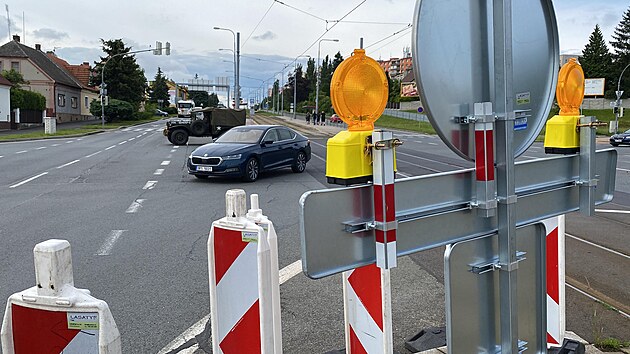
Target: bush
point(170, 110)
point(148, 113)
point(116, 110)
point(27, 100)
point(409, 99)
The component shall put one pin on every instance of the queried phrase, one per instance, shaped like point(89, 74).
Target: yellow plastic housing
point(346, 159)
point(359, 91)
point(562, 135)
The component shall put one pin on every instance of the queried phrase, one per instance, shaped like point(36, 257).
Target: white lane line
point(79, 139)
point(107, 246)
point(69, 141)
point(402, 174)
point(111, 147)
point(321, 158)
point(285, 274)
point(173, 150)
point(68, 164)
point(137, 136)
point(21, 152)
point(149, 130)
point(96, 153)
point(587, 295)
point(122, 142)
point(131, 139)
point(598, 246)
point(150, 185)
point(623, 169)
point(165, 163)
point(432, 143)
point(1, 156)
point(612, 211)
point(135, 206)
point(54, 145)
point(159, 171)
point(137, 130)
point(28, 180)
point(41, 148)
point(176, 147)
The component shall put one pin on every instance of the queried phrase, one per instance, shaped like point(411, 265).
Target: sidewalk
point(40, 128)
point(299, 123)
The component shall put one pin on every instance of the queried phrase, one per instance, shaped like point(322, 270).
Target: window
point(74, 102)
point(61, 100)
point(285, 134)
point(15, 65)
point(87, 103)
point(272, 135)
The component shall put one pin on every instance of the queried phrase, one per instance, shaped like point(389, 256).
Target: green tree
point(596, 60)
point(621, 46)
point(124, 78)
point(394, 89)
point(159, 89)
point(310, 75)
point(15, 77)
point(200, 98)
point(213, 100)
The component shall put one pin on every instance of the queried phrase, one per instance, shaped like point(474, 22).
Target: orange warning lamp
point(561, 134)
point(358, 91)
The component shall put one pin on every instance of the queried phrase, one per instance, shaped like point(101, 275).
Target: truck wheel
point(252, 170)
point(198, 128)
point(299, 165)
point(179, 137)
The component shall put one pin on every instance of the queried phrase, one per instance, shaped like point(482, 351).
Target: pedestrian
point(308, 117)
point(322, 117)
point(315, 118)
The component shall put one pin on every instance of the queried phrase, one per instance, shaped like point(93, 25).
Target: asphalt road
point(131, 185)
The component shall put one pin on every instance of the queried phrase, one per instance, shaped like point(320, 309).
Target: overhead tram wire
point(408, 27)
point(259, 22)
point(373, 22)
point(402, 35)
point(302, 11)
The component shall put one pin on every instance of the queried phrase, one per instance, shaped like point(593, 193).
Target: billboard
point(408, 89)
point(594, 87)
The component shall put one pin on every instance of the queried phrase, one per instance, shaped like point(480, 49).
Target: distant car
point(335, 119)
point(246, 151)
point(159, 112)
point(621, 138)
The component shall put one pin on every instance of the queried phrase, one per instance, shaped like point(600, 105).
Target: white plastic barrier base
point(54, 316)
point(242, 302)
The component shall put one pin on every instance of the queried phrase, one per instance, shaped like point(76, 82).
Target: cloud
point(265, 36)
point(50, 34)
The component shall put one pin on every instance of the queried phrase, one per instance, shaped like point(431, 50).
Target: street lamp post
point(237, 88)
point(295, 84)
point(318, 73)
point(618, 102)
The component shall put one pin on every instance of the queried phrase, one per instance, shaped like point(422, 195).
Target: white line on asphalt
point(598, 246)
point(623, 169)
point(96, 153)
point(54, 145)
point(165, 163)
point(285, 274)
point(159, 171)
point(529, 157)
point(137, 130)
point(41, 148)
point(131, 139)
point(403, 174)
point(149, 130)
point(173, 150)
point(1, 156)
point(68, 164)
point(432, 143)
point(594, 298)
point(137, 136)
point(21, 152)
point(321, 158)
point(69, 141)
point(107, 246)
point(28, 180)
point(425, 159)
point(79, 139)
point(176, 147)
point(135, 206)
point(150, 185)
point(612, 211)
point(122, 142)
point(111, 147)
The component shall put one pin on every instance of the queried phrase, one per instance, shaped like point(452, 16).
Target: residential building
point(61, 90)
point(81, 73)
point(5, 102)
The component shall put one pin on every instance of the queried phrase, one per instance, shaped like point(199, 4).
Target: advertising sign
point(594, 87)
point(408, 89)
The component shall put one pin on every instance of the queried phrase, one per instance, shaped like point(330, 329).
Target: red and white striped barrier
point(384, 201)
point(555, 280)
point(241, 298)
point(54, 316)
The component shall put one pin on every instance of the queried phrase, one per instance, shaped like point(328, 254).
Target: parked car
point(159, 112)
point(246, 151)
point(621, 138)
point(335, 119)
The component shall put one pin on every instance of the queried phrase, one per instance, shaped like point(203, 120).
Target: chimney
point(38, 47)
point(16, 38)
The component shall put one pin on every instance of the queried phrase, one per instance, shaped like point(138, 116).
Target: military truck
point(208, 121)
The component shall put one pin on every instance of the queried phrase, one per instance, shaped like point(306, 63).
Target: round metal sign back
point(453, 60)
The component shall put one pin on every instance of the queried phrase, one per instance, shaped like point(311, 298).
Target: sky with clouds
point(270, 30)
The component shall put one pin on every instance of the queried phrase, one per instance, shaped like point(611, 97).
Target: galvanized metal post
point(506, 194)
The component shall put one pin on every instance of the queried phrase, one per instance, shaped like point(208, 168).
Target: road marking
point(131, 139)
point(150, 185)
point(96, 153)
point(41, 148)
point(403, 174)
point(159, 171)
point(137, 130)
point(107, 246)
point(169, 156)
point(285, 274)
point(139, 135)
point(432, 143)
point(135, 206)
point(623, 169)
point(54, 145)
point(176, 147)
point(598, 246)
point(69, 141)
point(321, 158)
point(122, 142)
point(604, 210)
point(111, 147)
point(591, 297)
point(529, 157)
point(28, 180)
point(173, 150)
point(68, 164)
point(165, 163)
point(149, 130)
point(21, 152)
point(1, 156)
point(79, 139)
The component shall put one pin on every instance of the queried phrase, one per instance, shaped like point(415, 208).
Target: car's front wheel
point(252, 170)
point(179, 137)
point(299, 165)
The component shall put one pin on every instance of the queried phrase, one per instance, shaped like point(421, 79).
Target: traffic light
point(167, 49)
point(615, 110)
point(158, 48)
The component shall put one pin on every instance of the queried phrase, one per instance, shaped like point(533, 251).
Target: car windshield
point(241, 135)
point(627, 131)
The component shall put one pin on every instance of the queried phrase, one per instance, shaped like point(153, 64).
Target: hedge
point(27, 100)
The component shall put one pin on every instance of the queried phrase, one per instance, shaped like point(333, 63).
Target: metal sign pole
point(506, 194)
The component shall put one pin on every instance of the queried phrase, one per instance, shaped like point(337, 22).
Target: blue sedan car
point(246, 151)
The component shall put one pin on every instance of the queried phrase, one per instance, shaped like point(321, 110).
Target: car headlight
point(232, 157)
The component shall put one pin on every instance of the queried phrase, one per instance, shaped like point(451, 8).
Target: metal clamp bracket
point(387, 144)
point(355, 227)
point(494, 264)
point(386, 226)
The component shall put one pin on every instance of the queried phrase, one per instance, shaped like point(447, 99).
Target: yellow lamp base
point(348, 160)
point(562, 136)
